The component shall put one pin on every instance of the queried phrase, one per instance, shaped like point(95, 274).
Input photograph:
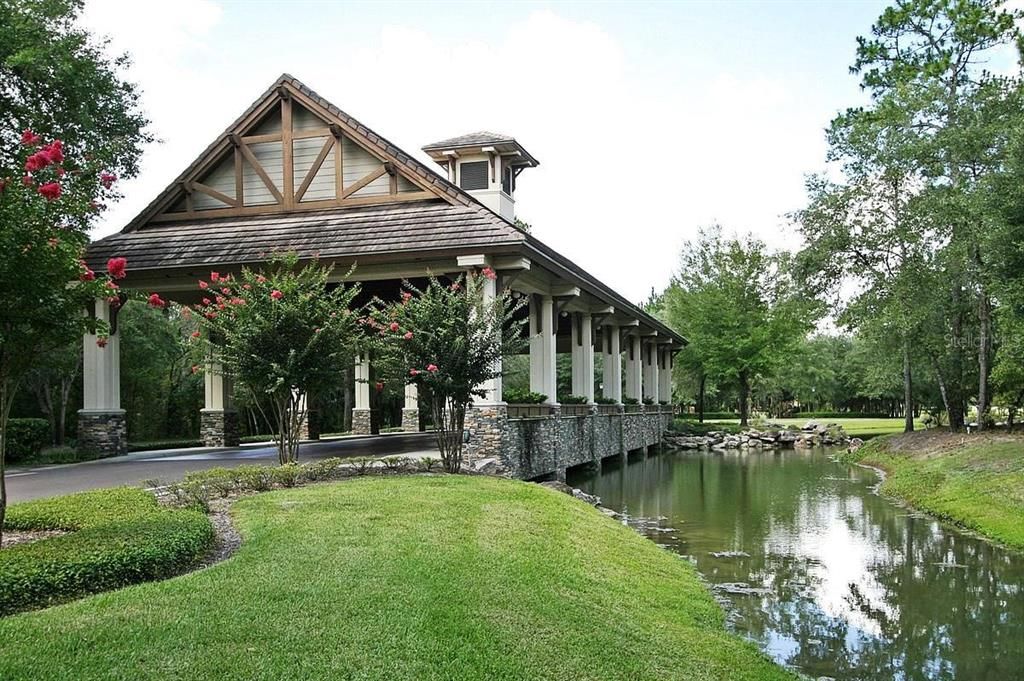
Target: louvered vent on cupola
point(485, 165)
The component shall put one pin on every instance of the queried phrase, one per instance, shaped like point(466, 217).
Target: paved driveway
point(172, 464)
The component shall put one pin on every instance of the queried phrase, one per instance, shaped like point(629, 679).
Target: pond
point(825, 575)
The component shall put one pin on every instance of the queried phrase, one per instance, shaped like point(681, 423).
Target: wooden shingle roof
point(398, 229)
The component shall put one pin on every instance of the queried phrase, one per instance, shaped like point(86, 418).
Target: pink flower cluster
point(51, 154)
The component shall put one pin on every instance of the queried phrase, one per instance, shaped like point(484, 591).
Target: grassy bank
point(402, 578)
point(976, 481)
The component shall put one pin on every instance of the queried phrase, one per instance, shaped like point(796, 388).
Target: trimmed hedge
point(117, 537)
point(26, 438)
point(515, 396)
point(163, 444)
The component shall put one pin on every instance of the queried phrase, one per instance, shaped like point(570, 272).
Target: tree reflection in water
point(857, 587)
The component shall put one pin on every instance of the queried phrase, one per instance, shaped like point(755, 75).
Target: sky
point(650, 120)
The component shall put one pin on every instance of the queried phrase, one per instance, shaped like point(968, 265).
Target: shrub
point(516, 396)
point(286, 475)
point(253, 477)
point(62, 454)
point(117, 537)
point(573, 399)
point(649, 401)
point(324, 469)
point(630, 400)
point(362, 464)
point(252, 439)
point(428, 463)
point(163, 444)
point(26, 438)
point(605, 400)
point(219, 481)
point(395, 464)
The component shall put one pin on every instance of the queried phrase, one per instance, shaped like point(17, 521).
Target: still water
point(825, 575)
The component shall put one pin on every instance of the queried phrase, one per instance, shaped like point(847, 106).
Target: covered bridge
point(294, 172)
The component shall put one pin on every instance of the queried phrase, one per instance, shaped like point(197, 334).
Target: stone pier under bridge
point(530, 443)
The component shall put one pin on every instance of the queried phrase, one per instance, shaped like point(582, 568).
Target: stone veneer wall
point(411, 420)
point(105, 433)
point(486, 426)
point(218, 428)
point(309, 428)
point(544, 446)
point(361, 421)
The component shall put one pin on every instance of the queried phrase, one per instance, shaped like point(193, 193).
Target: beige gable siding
point(270, 125)
point(405, 185)
point(304, 154)
point(357, 163)
point(254, 190)
point(221, 178)
point(303, 119)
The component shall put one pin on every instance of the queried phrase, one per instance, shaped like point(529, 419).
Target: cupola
point(486, 165)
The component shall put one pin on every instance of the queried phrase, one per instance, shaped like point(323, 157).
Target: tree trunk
point(7, 391)
point(984, 356)
point(348, 400)
point(700, 399)
point(940, 379)
point(744, 398)
point(908, 389)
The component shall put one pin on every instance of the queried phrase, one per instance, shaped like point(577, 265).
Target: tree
point(58, 82)
point(740, 309)
point(925, 59)
point(44, 216)
point(51, 382)
point(282, 333)
point(448, 340)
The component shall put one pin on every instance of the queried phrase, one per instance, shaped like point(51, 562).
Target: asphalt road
point(171, 465)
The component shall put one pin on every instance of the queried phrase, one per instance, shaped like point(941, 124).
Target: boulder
point(558, 486)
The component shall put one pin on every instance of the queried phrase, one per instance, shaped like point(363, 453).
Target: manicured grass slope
point(402, 578)
point(975, 481)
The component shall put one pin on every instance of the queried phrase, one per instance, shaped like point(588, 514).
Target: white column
point(362, 387)
point(101, 367)
point(412, 400)
point(634, 378)
point(583, 356)
point(665, 374)
point(612, 378)
point(650, 371)
point(218, 391)
point(493, 387)
point(542, 347)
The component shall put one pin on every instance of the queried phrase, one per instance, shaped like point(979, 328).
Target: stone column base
point(218, 427)
point(361, 424)
point(484, 448)
point(411, 420)
point(309, 429)
point(103, 432)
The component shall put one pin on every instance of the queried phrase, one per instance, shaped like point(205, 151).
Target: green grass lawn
point(421, 577)
point(862, 428)
point(976, 481)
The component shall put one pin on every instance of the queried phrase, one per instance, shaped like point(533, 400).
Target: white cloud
point(633, 161)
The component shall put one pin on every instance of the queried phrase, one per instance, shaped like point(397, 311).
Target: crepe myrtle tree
point(447, 339)
point(47, 202)
point(281, 333)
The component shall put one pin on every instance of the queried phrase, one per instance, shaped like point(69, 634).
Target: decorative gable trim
point(259, 165)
